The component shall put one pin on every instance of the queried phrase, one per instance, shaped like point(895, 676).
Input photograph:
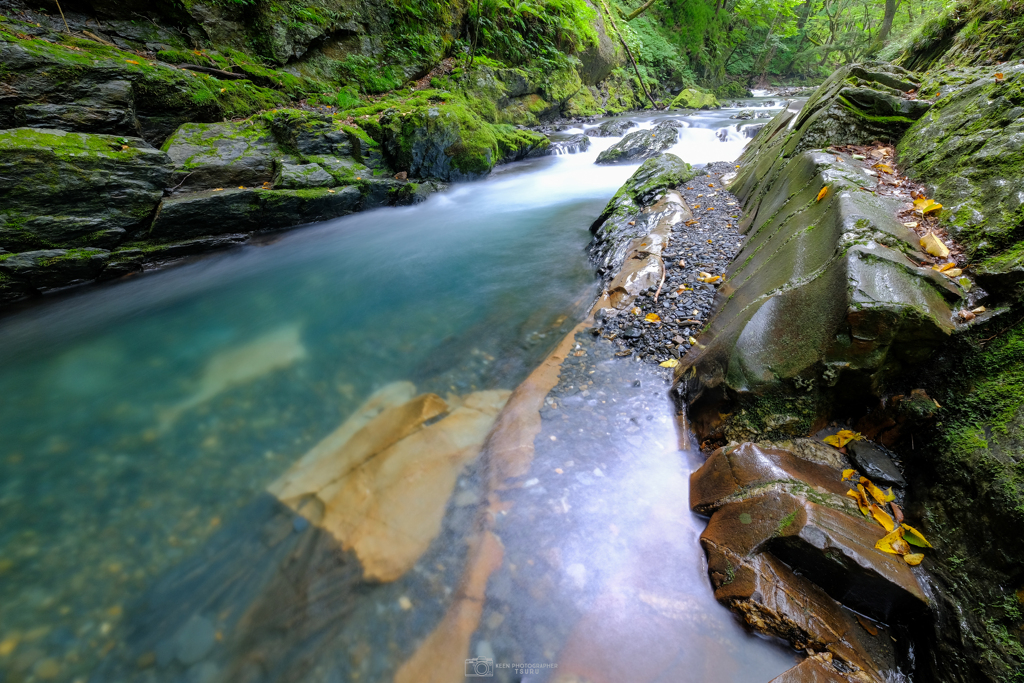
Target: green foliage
point(521, 31)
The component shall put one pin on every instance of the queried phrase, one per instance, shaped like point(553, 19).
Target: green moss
point(786, 522)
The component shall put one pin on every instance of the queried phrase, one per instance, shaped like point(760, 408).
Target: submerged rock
point(573, 144)
point(641, 144)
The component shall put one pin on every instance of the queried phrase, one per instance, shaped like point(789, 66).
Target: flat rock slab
point(732, 471)
point(774, 600)
point(833, 546)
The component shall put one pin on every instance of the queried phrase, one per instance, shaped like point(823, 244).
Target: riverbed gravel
point(705, 245)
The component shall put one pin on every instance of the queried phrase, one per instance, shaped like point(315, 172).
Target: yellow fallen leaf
point(934, 246)
point(693, 342)
point(882, 517)
point(979, 309)
point(914, 537)
point(911, 224)
point(893, 543)
point(223, 89)
point(942, 268)
point(843, 437)
point(913, 559)
point(889, 495)
point(636, 310)
point(131, 61)
point(884, 168)
point(241, 187)
point(999, 77)
point(862, 500)
point(848, 474)
point(821, 193)
point(875, 492)
point(953, 272)
point(926, 206)
point(708, 278)
point(218, 189)
point(652, 318)
point(670, 363)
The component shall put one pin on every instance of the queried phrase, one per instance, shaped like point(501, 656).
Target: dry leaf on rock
point(897, 512)
point(652, 318)
point(670, 363)
point(848, 474)
point(926, 206)
point(934, 246)
point(821, 193)
point(953, 272)
point(708, 277)
point(875, 492)
point(861, 498)
point(843, 437)
point(882, 517)
point(913, 559)
point(884, 168)
point(893, 543)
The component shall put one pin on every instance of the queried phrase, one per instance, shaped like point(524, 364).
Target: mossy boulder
point(617, 226)
point(449, 142)
point(826, 298)
point(639, 145)
point(694, 99)
point(967, 149)
point(39, 271)
point(61, 189)
point(228, 154)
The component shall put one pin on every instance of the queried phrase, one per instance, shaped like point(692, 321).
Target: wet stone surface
point(685, 303)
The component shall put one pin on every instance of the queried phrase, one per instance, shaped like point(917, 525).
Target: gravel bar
point(685, 304)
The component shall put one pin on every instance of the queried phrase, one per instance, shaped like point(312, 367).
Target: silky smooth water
point(139, 419)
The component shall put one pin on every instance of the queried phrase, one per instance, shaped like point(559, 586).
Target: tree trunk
point(639, 10)
point(890, 14)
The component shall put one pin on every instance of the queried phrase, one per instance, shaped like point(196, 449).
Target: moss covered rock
point(61, 189)
point(639, 145)
point(33, 272)
point(694, 99)
point(450, 142)
point(967, 148)
point(229, 154)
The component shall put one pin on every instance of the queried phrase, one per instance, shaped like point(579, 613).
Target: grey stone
point(875, 464)
point(639, 145)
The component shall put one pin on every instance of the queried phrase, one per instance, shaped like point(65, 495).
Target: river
point(144, 420)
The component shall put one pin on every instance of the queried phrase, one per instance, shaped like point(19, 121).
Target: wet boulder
point(826, 296)
point(695, 99)
point(967, 149)
point(60, 190)
point(634, 229)
point(641, 144)
point(744, 115)
point(612, 129)
point(624, 217)
point(572, 144)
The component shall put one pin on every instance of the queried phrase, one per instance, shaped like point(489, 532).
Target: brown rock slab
point(832, 547)
point(775, 601)
point(814, 669)
point(732, 471)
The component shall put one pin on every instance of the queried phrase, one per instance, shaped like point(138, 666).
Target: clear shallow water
point(143, 421)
